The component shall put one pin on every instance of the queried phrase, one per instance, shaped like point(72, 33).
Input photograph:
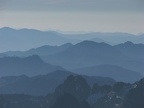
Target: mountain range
point(48, 69)
point(132, 50)
point(41, 51)
point(89, 53)
point(82, 57)
point(87, 57)
point(116, 72)
point(43, 84)
point(110, 38)
point(24, 39)
point(31, 66)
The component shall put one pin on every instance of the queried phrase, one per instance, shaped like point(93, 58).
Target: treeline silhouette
point(75, 92)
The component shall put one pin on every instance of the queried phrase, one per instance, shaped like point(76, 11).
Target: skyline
point(74, 16)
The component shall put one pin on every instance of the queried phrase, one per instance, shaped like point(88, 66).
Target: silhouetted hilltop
point(105, 96)
point(75, 92)
point(135, 96)
point(132, 50)
point(42, 84)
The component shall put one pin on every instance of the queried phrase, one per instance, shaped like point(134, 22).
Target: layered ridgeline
point(110, 38)
point(132, 50)
point(89, 53)
point(43, 84)
point(41, 51)
point(31, 66)
point(120, 95)
point(75, 92)
point(122, 62)
point(24, 39)
point(116, 72)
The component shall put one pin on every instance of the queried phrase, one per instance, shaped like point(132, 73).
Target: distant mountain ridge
point(110, 38)
point(130, 49)
point(127, 57)
point(116, 72)
point(41, 51)
point(31, 66)
point(89, 53)
point(24, 39)
point(86, 52)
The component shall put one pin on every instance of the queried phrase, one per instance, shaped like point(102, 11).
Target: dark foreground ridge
point(75, 92)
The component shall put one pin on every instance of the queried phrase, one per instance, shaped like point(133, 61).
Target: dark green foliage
point(103, 89)
point(20, 101)
point(1, 102)
point(75, 85)
point(106, 88)
point(76, 93)
point(43, 84)
point(66, 101)
point(135, 97)
point(85, 104)
point(69, 101)
point(101, 103)
point(95, 89)
point(119, 86)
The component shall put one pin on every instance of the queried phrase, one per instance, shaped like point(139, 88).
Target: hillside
point(41, 51)
point(31, 66)
point(89, 53)
point(132, 50)
point(112, 71)
point(42, 84)
point(24, 39)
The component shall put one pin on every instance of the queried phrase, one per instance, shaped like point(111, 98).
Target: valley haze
point(115, 55)
point(24, 39)
point(71, 53)
point(43, 66)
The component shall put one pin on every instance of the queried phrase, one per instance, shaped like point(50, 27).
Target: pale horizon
point(69, 32)
point(77, 15)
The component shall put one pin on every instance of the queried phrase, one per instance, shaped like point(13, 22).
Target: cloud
point(82, 5)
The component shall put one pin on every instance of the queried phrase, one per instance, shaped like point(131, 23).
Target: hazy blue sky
point(74, 15)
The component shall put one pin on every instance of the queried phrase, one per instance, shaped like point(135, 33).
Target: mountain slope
point(32, 65)
point(119, 37)
point(84, 54)
point(115, 72)
point(111, 38)
point(41, 51)
point(89, 53)
point(42, 84)
point(24, 39)
point(132, 50)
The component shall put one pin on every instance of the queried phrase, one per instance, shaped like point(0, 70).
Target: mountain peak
point(66, 45)
point(92, 44)
point(34, 58)
point(129, 43)
point(31, 66)
point(6, 29)
point(87, 42)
